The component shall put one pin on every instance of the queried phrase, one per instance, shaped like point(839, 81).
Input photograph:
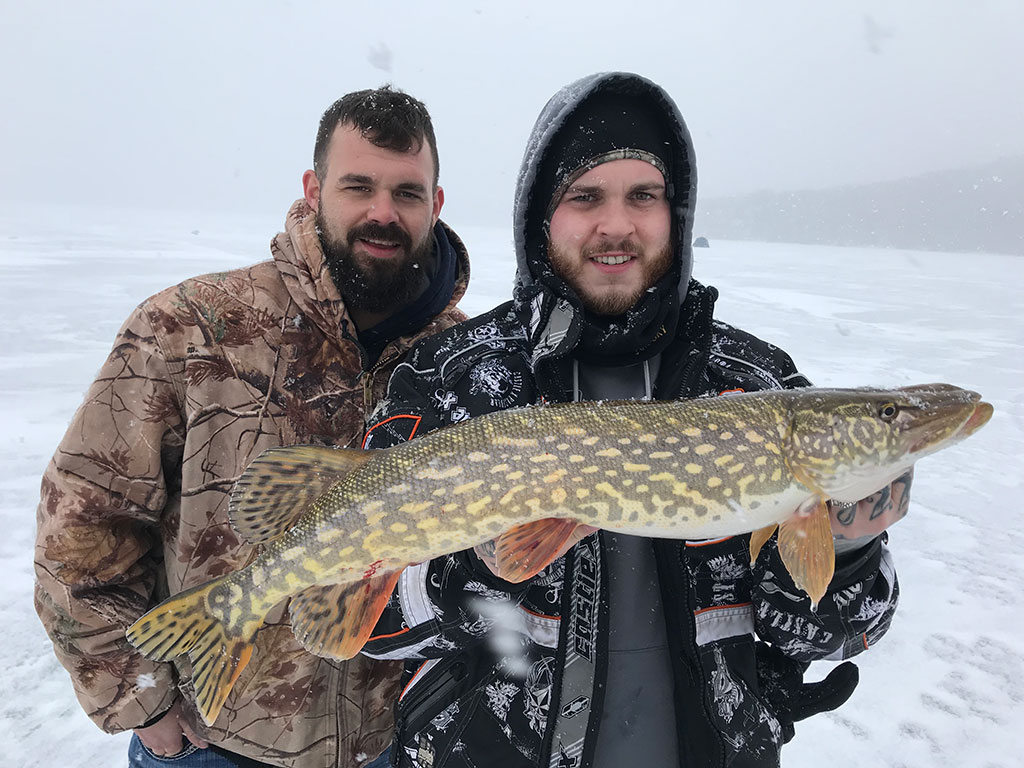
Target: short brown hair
point(387, 118)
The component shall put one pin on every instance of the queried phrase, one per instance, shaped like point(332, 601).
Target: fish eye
point(888, 411)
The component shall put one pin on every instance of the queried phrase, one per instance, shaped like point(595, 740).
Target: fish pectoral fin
point(336, 620)
point(280, 484)
point(806, 547)
point(758, 538)
point(526, 550)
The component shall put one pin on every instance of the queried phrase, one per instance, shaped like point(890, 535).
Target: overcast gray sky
point(214, 105)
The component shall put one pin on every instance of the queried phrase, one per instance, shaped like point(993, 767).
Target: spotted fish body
point(341, 525)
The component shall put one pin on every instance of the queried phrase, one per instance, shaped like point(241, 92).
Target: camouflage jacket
point(202, 378)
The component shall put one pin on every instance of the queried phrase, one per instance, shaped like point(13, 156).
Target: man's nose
point(382, 208)
point(615, 223)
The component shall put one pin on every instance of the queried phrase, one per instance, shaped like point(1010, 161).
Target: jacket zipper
point(367, 377)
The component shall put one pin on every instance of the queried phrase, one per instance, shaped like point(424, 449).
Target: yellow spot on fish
point(555, 476)
point(726, 435)
point(415, 507)
point(589, 470)
point(574, 431)
point(450, 507)
point(399, 527)
point(507, 441)
point(440, 492)
point(704, 449)
point(693, 469)
point(673, 440)
point(760, 461)
point(690, 432)
point(582, 493)
point(714, 482)
point(510, 494)
point(624, 441)
point(611, 473)
point(513, 476)
point(662, 477)
point(658, 455)
point(476, 456)
point(777, 475)
point(292, 553)
point(562, 446)
point(543, 457)
point(647, 438)
point(609, 453)
point(429, 522)
point(327, 535)
point(467, 487)
point(500, 468)
point(558, 495)
point(475, 507)
point(636, 467)
point(313, 566)
point(736, 468)
point(576, 458)
point(721, 461)
point(405, 487)
point(590, 440)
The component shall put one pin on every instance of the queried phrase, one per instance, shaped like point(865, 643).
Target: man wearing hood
point(668, 652)
point(205, 376)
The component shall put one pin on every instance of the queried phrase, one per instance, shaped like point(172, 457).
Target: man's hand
point(163, 737)
point(854, 525)
point(486, 554)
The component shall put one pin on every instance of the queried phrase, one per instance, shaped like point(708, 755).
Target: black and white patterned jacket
point(506, 674)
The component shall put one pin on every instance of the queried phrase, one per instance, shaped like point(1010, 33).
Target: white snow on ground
point(944, 688)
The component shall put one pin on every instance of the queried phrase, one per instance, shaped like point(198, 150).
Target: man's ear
point(311, 189)
point(438, 203)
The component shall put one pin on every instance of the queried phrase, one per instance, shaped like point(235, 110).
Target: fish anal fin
point(758, 538)
point(336, 620)
point(279, 485)
point(524, 551)
point(806, 547)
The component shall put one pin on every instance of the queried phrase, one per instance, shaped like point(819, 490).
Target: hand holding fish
point(856, 524)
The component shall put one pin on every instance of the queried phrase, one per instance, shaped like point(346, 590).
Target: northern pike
point(340, 525)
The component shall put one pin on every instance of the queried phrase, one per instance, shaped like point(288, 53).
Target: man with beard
point(627, 649)
point(205, 376)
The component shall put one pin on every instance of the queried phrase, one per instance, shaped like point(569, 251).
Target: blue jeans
point(193, 757)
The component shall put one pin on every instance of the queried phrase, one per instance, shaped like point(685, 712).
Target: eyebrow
point(359, 178)
point(594, 189)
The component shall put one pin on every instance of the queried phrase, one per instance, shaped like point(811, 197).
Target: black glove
point(791, 699)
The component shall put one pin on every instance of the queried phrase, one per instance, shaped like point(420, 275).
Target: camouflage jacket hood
point(202, 378)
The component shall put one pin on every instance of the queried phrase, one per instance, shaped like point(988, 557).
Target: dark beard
point(378, 284)
point(611, 304)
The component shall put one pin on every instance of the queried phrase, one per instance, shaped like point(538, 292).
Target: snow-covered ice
point(945, 686)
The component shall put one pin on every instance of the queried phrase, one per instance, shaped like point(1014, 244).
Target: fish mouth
point(954, 421)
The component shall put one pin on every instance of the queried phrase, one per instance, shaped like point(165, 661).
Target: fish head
point(848, 443)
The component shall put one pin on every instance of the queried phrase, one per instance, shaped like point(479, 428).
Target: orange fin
point(281, 483)
point(336, 620)
point(183, 624)
point(757, 540)
point(806, 547)
point(524, 551)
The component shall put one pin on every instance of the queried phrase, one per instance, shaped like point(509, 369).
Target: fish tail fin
point(184, 624)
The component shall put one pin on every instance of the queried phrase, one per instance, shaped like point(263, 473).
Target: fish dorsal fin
point(758, 538)
point(526, 550)
point(807, 549)
point(336, 620)
point(281, 483)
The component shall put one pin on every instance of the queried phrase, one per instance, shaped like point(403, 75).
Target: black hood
point(557, 319)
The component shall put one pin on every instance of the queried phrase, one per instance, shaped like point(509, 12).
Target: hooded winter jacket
point(202, 378)
point(503, 674)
